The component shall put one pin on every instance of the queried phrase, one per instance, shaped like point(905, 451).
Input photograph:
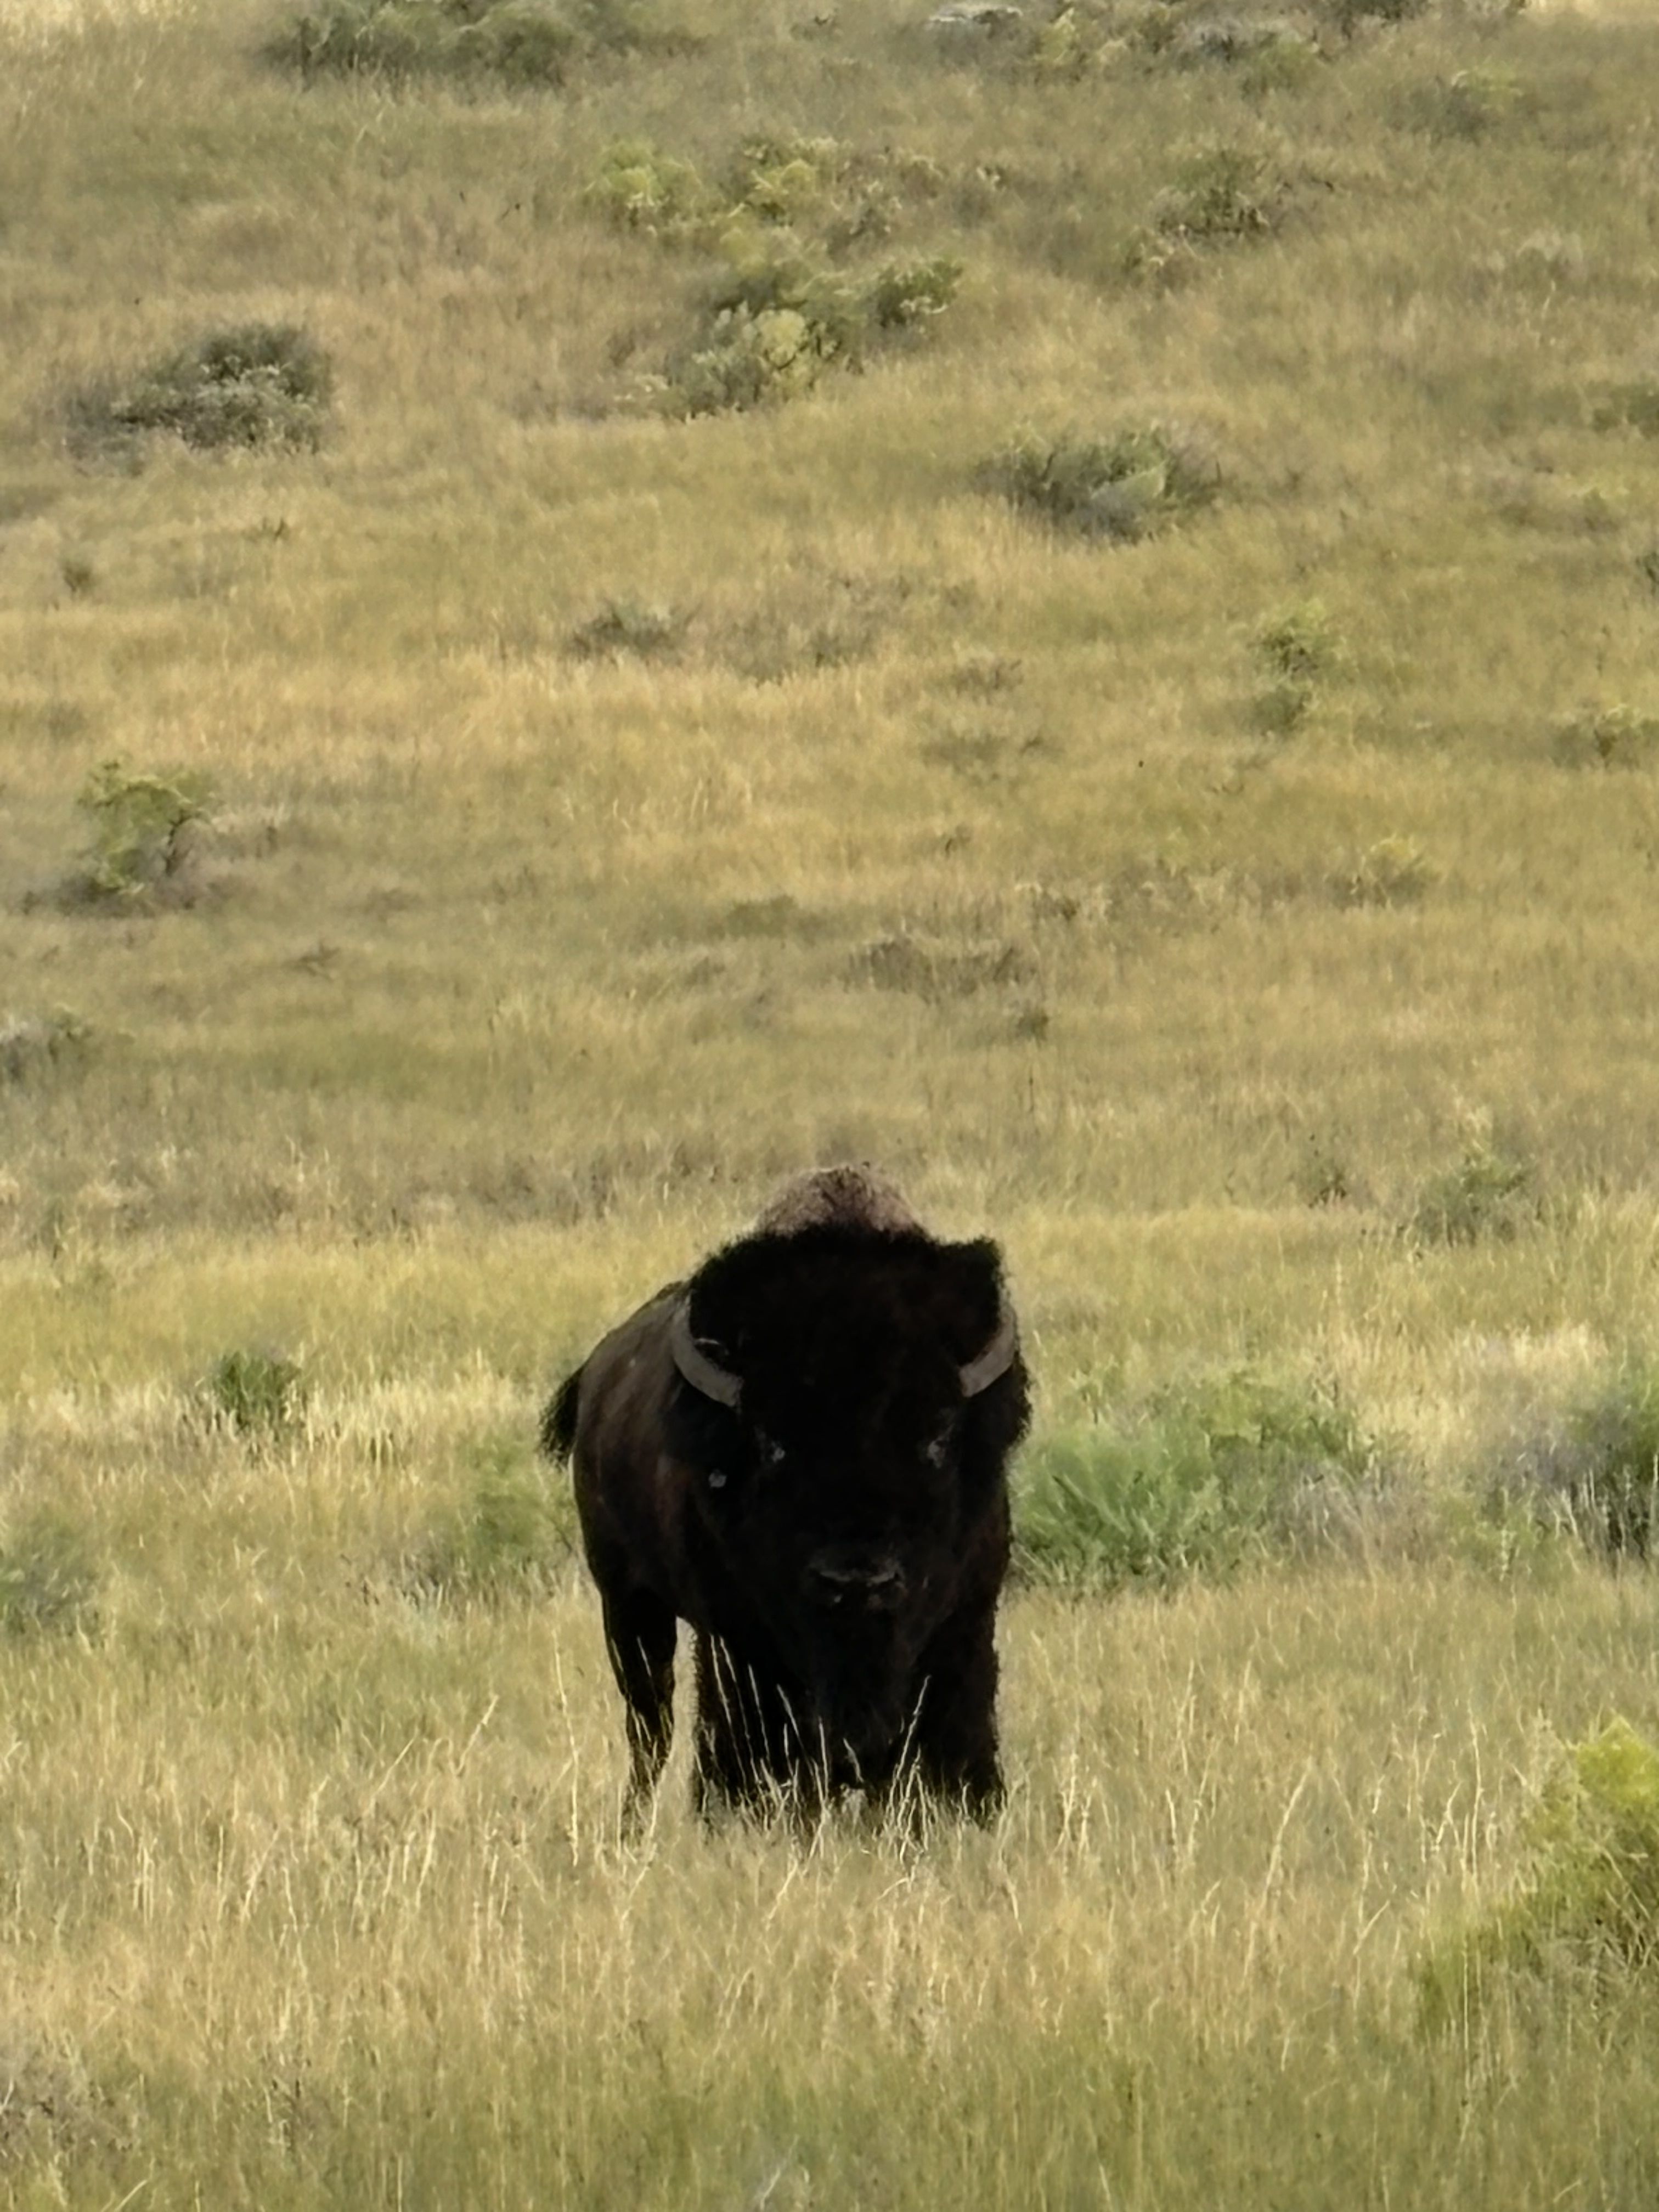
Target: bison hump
point(853, 1196)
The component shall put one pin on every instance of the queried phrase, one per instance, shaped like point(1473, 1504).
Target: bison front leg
point(640, 1632)
point(953, 1743)
point(748, 1752)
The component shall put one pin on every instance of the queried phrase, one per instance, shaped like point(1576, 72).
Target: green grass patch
point(1202, 1478)
point(1588, 1898)
point(511, 1535)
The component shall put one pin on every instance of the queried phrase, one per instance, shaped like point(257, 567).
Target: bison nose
point(835, 1579)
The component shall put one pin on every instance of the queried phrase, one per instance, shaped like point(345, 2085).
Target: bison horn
point(695, 1364)
point(998, 1356)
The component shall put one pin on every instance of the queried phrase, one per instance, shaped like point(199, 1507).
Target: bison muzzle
point(802, 1452)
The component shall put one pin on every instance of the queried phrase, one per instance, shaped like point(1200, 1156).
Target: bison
point(802, 1451)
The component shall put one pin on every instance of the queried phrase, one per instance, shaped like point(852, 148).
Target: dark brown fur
point(838, 1539)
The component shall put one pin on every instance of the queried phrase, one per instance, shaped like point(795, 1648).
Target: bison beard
point(801, 1452)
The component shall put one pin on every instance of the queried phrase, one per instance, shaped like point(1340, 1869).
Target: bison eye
point(717, 1478)
point(937, 1449)
point(771, 1453)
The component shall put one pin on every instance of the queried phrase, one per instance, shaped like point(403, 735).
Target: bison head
point(847, 1402)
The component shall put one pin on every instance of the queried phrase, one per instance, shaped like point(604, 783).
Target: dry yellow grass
point(517, 973)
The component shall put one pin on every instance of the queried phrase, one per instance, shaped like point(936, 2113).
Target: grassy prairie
point(1249, 918)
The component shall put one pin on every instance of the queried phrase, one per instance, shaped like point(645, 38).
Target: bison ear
point(977, 1313)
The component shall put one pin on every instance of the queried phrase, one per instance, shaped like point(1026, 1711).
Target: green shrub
point(779, 309)
point(1202, 1478)
point(783, 180)
point(142, 827)
point(1489, 1194)
point(259, 1394)
point(902, 294)
point(1120, 488)
point(1588, 1896)
point(641, 188)
point(250, 383)
point(512, 1537)
point(48, 1579)
point(751, 359)
point(779, 317)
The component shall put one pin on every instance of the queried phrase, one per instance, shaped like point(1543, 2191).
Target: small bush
point(902, 294)
point(1117, 488)
point(1633, 406)
point(777, 317)
point(937, 971)
point(751, 360)
point(1607, 736)
point(1202, 1478)
point(806, 618)
point(48, 1579)
point(522, 43)
point(781, 306)
point(1489, 1194)
point(1588, 1897)
point(784, 180)
point(142, 826)
point(1303, 642)
point(512, 1538)
point(1221, 194)
point(625, 628)
point(1281, 706)
point(1394, 871)
point(1351, 16)
point(1294, 650)
point(1605, 1470)
point(1468, 104)
point(33, 1045)
point(639, 188)
point(251, 384)
point(259, 1394)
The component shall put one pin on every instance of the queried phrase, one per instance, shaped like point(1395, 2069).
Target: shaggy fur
point(837, 1540)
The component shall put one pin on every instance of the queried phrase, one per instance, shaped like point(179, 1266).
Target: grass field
point(554, 801)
